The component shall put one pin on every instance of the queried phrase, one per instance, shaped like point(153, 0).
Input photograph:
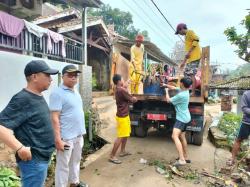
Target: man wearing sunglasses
point(69, 127)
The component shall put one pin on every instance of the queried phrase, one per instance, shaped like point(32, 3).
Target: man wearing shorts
point(193, 53)
point(123, 98)
point(180, 102)
point(244, 128)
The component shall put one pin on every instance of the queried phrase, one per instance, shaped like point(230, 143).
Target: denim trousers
point(33, 172)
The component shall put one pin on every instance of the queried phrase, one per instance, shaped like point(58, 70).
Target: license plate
point(157, 117)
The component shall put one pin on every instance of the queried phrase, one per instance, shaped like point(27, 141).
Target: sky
point(208, 19)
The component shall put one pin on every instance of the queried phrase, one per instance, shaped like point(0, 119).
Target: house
point(69, 24)
point(28, 41)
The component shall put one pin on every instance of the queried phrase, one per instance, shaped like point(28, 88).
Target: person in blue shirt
point(68, 121)
point(183, 117)
point(244, 130)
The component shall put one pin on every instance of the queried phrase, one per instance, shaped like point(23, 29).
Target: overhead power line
point(164, 17)
point(153, 22)
point(153, 29)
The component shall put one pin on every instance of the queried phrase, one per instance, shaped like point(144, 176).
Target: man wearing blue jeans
point(27, 115)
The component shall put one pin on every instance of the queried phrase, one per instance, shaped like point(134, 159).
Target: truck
point(152, 110)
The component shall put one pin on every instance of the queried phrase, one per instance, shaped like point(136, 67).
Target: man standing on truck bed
point(193, 53)
point(136, 65)
point(180, 102)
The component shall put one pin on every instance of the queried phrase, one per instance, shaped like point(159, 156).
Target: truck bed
point(141, 97)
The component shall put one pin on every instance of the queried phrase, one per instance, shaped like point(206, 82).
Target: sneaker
point(82, 184)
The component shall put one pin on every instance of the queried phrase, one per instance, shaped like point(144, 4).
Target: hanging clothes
point(10, 25)
point(35, 29)
point(56, 38)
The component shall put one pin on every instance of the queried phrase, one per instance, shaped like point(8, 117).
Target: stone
point(218, 138)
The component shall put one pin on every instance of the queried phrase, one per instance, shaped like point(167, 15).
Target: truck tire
point(189, 137)
point(141, 131)
point(197, 138)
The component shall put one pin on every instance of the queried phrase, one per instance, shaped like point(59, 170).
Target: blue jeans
point(33, 172)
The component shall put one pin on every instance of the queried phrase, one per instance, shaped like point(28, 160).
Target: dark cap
point(70, 69)
point(38, 66)
point(180, 26)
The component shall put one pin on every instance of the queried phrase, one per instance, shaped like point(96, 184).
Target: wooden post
point(205, 58)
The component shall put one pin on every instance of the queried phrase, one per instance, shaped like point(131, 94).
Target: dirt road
point(157, 146)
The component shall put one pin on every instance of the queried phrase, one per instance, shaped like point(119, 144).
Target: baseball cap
point(38, 66)
point(70, 69)
point(179, 27)
point(139, 38)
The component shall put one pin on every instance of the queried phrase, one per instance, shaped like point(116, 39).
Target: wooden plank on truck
point(205, 59)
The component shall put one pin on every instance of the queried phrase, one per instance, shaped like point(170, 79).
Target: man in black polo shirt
point(27, 115)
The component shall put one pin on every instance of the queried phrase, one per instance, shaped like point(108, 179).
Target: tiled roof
point(241, 83)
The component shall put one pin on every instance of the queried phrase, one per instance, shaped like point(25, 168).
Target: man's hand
point(24, 153)
point(167, 95)
point(134, 99)
point(182, 65)
point(60, 145)
point(187, 56)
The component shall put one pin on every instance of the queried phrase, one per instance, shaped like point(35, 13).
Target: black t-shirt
point(28, 115)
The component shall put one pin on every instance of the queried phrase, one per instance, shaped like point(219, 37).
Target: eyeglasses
point(72, 75)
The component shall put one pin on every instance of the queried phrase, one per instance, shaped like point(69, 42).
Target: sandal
point(178, 163)
point(115, 161)
point(124, 154)
point(230, 162)
point(187, 161)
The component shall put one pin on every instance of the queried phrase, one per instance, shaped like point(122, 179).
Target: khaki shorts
point(191, 68)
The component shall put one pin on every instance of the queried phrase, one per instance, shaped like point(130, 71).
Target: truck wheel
point(132, 131)
point(189, 137)
point(197, 138)
point(141, 131)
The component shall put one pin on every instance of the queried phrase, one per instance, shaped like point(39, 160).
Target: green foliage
point(122, 20)
point(157, 163)
point(240, 40)
point(230, 124)
point(243, 70)
point(8, 178)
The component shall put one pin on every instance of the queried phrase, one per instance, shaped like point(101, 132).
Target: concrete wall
point(12, 78)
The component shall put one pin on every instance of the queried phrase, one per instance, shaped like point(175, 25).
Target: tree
point(122, 20)
point(242, 41)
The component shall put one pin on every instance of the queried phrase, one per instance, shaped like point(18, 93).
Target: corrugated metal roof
point(241, 83)
point(59, 15)
point(152, 50)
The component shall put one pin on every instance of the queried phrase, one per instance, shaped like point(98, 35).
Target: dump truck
point(152, 110)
